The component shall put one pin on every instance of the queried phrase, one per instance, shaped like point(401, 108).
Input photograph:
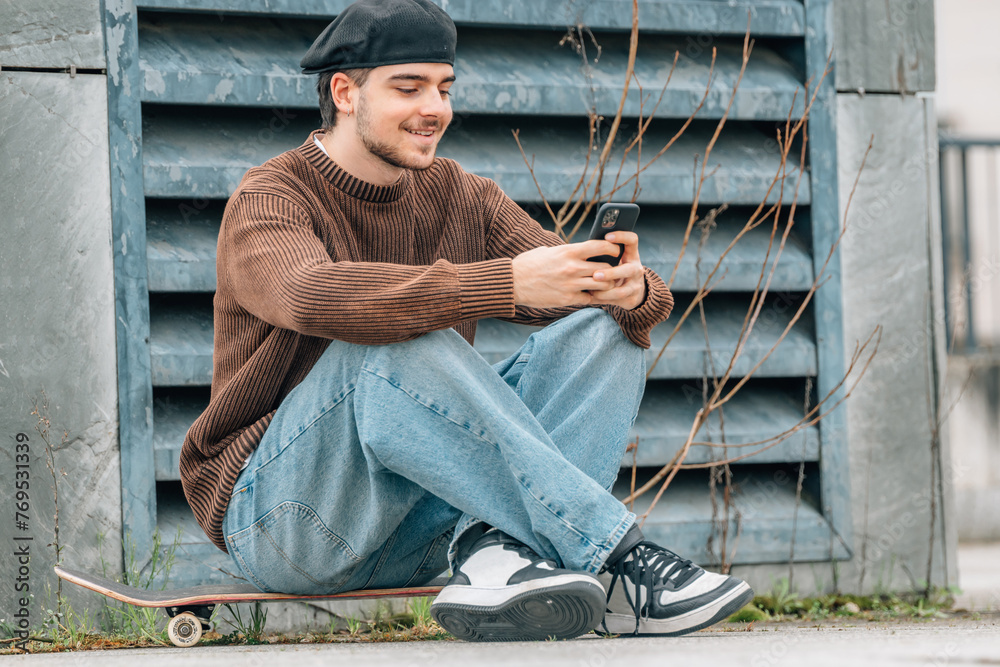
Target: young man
point(354, 439)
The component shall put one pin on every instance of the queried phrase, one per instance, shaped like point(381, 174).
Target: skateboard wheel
point(184, 630)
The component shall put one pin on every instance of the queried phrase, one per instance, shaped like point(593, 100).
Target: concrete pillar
point(57, 336)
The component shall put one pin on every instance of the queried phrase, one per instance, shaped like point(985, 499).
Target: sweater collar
point(351, 185)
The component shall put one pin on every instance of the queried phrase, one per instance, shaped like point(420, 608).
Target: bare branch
point(531, 170)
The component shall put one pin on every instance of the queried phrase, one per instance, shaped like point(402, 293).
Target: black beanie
point(372, 33)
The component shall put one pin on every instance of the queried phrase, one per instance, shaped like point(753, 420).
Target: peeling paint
point(119, 9)
point(154, 82)
point(116, 40)
point(222, 90)
point(474, 96)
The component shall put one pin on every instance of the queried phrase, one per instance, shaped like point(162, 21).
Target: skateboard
point(190, 608)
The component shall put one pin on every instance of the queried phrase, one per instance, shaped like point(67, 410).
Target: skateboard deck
point(189, 608)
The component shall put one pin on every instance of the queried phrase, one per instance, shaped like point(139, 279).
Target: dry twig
point(587, 192)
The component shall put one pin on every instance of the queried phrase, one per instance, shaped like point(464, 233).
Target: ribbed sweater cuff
point(638, 323)
point(486, 289)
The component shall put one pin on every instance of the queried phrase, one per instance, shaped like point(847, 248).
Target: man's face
point(402, 112)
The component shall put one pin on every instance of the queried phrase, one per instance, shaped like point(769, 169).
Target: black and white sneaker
point(503, 591)
point(675, 596)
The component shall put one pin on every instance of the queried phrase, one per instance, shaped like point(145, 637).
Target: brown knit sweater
point(308, 253)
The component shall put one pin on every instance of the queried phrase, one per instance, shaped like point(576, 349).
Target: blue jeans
point(386, 459)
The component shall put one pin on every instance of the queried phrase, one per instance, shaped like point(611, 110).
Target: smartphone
point(612, 217)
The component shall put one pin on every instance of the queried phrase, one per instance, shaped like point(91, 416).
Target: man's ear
point(341, 87)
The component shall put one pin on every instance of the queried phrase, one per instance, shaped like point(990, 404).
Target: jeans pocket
point(290, 550)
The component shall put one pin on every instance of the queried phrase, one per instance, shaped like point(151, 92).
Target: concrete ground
point(967, 638)
point(938, 643)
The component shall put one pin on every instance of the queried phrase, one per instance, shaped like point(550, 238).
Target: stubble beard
point(384, 151)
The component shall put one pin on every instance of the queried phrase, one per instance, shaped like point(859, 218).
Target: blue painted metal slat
point(254, 62)
point(682, 521)
point(753, 415)
point(687, 355)
point(181, 247)
point(181, 344)
point(172, 417)
point(196, 560)
point(765, 503)
point(190, 152)
point(661, 238)
point(182, 244)
point(706, 18)
point(665, 418)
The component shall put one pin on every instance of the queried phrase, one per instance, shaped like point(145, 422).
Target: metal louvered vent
point(220, 92)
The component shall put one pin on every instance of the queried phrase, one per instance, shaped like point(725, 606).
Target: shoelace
point(651, 564)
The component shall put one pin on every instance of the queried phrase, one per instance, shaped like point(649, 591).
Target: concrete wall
point(885, 47)
point(892, 278)
point(51, 34)
point(57, 341)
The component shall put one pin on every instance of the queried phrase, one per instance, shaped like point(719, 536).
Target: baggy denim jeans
point(379, 462)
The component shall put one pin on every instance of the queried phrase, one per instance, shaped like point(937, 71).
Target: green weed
point(251, 626)
point(420, 608)
point(382, 618)
point(124, 620)
point(748, 614)
point(781, 603)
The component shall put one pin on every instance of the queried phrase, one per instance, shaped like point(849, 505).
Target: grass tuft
point(783, 604)
point(251, 627)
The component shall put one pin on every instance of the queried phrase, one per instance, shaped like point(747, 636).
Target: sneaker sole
point(694, 620)
point(562, 611)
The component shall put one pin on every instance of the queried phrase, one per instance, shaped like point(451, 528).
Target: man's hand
point(561, 276)
point(629, 278)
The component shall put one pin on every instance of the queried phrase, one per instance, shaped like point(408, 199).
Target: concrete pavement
point(965, 641)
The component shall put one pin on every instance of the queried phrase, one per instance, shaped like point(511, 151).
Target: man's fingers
point(581, 298)
point(625, 238)
point(624, 271)
point(617, 295)
point(592, 248)
point(591, 285)
point(630, 240)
